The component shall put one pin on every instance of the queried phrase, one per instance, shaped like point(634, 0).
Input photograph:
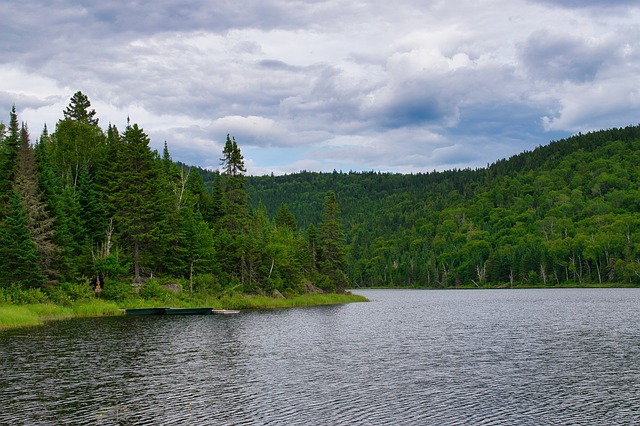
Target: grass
point(241, 301)
point(12, 316)
point(18, 316)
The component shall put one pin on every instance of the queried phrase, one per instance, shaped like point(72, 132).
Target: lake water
point(483, 357)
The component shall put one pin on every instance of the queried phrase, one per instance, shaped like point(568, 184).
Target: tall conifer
point(332, 255)
point(136, 197)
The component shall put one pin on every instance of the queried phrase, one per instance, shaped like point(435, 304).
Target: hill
point(564, 212)
point(100, 206)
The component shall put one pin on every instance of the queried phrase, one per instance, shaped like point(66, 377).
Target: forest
point(566, 213)
point(100, 206)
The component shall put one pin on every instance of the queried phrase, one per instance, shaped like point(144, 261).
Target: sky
point(403, 86)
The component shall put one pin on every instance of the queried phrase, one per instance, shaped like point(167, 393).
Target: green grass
point(243, 301)
point(12, 316)
point(240, 301)
point(95, 308)
point(18, 316)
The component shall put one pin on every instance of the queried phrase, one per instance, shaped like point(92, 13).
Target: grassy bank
point(12, 316)
point(36, 314)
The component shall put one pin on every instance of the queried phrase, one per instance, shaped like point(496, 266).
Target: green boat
point(145, 311)
point(188, 311)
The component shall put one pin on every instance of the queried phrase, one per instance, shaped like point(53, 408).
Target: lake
point(480, 357)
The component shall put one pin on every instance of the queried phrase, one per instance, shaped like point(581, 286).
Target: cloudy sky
point(401, 86)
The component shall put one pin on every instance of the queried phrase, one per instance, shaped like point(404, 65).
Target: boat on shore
point(145, 311)
point(188, 311)
point(169, 311)
point(224, 312)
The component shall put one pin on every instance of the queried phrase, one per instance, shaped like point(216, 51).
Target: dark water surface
point(538, 357)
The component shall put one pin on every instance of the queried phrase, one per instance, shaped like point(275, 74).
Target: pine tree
point(78, 110)
point(232, 244)
point(234, 197)
point(232, 160)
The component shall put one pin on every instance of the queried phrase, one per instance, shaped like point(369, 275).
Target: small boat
point(188, 311)
point(225, 312)
point(145, 311)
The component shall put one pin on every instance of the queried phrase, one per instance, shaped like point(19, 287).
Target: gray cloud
point(329, 83)
point(559, 57)
point(578, 4)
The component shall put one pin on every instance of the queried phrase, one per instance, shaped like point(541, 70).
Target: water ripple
point(409, 357)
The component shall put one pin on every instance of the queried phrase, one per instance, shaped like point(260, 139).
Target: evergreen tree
point(9, 144)
point(204, 200)
point(312, 242)
point(234, 197)
point(39, 222)
point(136, 198)
point(78, 110)
point(20, 261)
point(232, 245)
point(217, 209)
point(331, 238)
point(284, 218)
point(232, 160)
point(78, 143)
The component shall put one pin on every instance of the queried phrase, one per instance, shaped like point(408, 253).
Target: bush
point(16, 295)
point(117, 291)
point(66, 293)
point(206, 284)
point(153, 289)
point(57, 295)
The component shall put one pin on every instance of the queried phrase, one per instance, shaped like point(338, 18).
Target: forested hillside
point(87, 204)
point(83, 204)
point(567, 212)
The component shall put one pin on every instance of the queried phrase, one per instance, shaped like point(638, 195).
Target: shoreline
point(506, 287)
point(19, 316)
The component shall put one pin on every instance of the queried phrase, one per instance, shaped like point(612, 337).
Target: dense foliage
point(101, 206)
point(85, 205)
point(565, 213)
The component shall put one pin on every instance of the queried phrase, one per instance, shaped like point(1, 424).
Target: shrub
point(117, 291)
point(16, 295)
point(153, 289)
point(205, 284)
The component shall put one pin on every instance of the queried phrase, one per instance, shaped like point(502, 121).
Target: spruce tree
point(9, 144)
point(39, 221)
point(285, 219)
point(136, 199)
point(20, 261)
point(331, 238)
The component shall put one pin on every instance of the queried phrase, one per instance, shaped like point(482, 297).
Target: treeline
point(100, 206)
point(563, 213)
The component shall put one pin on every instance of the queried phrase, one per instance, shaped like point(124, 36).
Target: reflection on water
point(408, 357)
